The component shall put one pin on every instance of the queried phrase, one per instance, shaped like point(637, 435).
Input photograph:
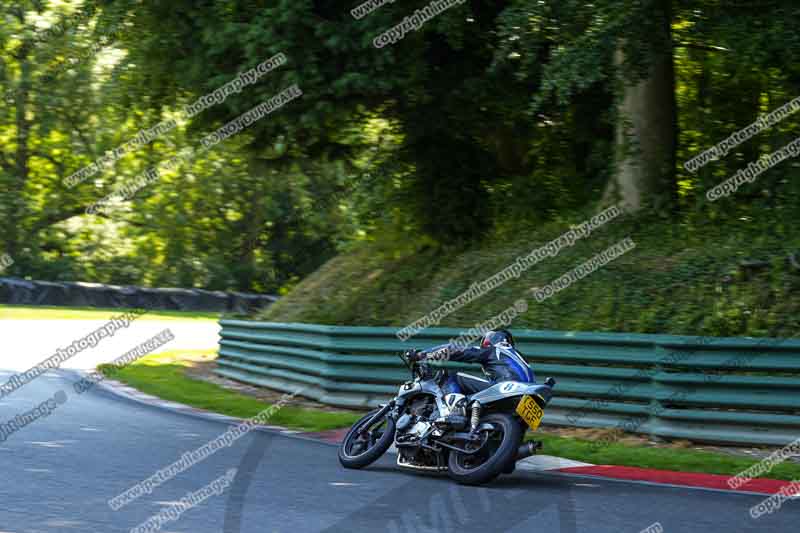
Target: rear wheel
point(366, 442)
point(499, 451)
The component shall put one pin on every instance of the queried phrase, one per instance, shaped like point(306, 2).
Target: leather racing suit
point(500, 362)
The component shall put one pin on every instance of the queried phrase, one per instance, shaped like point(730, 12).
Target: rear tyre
point(363, 445)
point(499, 452)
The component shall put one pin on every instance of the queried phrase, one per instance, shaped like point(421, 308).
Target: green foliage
point(451, 94)
point(236, 218)
point(492, 122)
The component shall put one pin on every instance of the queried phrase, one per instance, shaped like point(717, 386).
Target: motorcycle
point(473, 438)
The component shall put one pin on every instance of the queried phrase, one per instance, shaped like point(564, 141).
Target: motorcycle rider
point(496, 354)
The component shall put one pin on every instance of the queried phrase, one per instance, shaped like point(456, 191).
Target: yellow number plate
point(530, 411)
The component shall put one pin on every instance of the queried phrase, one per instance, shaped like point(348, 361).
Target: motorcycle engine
point(422, 407)
point(419, 429)
point(415, 423)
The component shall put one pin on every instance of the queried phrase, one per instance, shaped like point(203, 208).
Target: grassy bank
point(731, 276)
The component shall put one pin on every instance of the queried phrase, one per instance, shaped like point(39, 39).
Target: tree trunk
point(254, 223)
point(21, 166)
point(646, 135)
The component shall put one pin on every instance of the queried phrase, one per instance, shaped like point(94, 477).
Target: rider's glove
point(413, 355)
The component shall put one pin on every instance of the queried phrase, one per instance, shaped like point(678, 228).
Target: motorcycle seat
point(471, 384)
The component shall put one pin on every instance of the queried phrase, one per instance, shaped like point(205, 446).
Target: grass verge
point(24, 312)
point(659, 458)
point(163, 375)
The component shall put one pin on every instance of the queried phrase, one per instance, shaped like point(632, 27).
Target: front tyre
point(495, 456)
point(365, 442)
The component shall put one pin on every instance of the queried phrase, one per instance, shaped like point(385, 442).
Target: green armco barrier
point(707, 389)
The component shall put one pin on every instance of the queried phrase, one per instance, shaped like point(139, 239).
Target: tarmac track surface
point(59, 472)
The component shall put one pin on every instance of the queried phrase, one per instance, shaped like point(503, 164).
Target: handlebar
point(417, 368)
point(411, 365)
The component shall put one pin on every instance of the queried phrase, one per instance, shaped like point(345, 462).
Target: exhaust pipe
point(528, 449)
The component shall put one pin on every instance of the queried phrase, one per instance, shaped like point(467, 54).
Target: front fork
point(377, 416)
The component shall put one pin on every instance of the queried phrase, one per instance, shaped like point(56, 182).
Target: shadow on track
point(452, 508)
point(247, 468)
point(417, 506)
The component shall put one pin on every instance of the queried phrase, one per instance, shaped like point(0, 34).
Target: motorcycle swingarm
point(467, 437)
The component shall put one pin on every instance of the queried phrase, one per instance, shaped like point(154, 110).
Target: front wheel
point(366, 442)
point(493, 458)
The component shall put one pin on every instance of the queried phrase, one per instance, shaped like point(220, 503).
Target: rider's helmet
point(493, 338)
